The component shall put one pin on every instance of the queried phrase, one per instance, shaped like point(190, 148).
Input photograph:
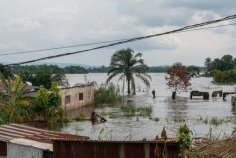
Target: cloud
point(29, 25)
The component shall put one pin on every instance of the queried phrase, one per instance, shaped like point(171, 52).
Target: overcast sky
point(37, 24)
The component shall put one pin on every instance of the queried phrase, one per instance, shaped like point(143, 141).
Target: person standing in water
point(154, 94)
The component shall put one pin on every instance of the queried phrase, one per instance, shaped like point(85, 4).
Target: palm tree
point(128, 65)
point(13, 101)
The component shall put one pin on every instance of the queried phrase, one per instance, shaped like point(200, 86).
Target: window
point(3, 149)
point(81, 96)
point(67, 99)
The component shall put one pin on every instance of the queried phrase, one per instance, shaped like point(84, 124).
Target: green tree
point(46, 106)
point(193, 70)
point(128, 65)
point(5, 71)
point(227, 62)
point(43, 76)
point(14, 103)
point(208, 63)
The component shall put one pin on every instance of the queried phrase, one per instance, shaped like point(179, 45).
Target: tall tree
point(177, 78)
point(128, 65)
point(13, 101)
point(208, 63)
point(6, 71)
point(43, 76)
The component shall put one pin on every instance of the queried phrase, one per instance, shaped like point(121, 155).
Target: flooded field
point(201, 116)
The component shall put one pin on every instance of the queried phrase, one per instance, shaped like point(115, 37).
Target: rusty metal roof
point(169, 141)
point(16, 131)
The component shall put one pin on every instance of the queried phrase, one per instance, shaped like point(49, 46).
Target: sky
point(37, 24)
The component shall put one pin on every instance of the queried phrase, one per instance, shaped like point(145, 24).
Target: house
point(77, 96)
point(21, 141)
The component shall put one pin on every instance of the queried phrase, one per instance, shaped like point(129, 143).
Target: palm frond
point(144, 79)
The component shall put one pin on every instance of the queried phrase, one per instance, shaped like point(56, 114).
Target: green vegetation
point(80, 117)
point(184, 139)
point(111, 115)
point(16, 107)
point(127, 65)
point(193, 70)
point(222, 70)
point(224, 77)
point(130, 111)
point(107, 94)
point(13, 104)
point(6, 71)
point(43, 75)
point(46, 106)
point(54, 69)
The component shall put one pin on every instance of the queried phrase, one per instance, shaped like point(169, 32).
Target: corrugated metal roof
point(15, 131)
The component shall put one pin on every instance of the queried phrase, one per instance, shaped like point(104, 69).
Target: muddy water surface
point(200, 115)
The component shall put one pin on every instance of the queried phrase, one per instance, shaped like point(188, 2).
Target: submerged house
point(21, 141)
point(71, 97)
point(77, 96)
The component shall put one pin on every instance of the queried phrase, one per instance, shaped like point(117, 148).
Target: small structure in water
point(205, 95)
point(227, 93)
point(233, 101)
point(216, 93)
point(96, 118)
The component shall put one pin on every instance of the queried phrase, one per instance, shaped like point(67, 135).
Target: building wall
point(76, 97)
point(20, 151)
point(114, 149)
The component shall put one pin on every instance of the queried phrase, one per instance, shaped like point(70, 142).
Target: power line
point(183, 29)
point(63, 47)
point(102, 42)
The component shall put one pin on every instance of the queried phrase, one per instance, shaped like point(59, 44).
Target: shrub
point(184, 138)
point(107, 94)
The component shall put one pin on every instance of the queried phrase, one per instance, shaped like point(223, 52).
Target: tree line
point(223, 70)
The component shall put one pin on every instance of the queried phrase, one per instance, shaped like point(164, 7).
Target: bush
point(107, 94)
point(184, 138)
point(46, 106)
point(224, 77)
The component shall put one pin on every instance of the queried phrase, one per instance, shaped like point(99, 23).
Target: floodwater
point(196, 113)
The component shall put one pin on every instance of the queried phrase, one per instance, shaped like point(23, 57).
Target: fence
point(114, 149)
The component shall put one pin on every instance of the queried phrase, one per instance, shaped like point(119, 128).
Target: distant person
point(153, 94)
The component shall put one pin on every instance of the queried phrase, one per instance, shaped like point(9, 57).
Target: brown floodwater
point(200, 115)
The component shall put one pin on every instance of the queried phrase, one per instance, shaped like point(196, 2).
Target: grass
point(80, 117)
point(130, 111)
point(216, 121)
point(111, 115)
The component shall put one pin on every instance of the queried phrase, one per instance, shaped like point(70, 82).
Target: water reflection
point(177, 109)
point(86, 111)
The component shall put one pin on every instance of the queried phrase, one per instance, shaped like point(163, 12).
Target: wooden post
point(233, 100)
point(173, 95)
